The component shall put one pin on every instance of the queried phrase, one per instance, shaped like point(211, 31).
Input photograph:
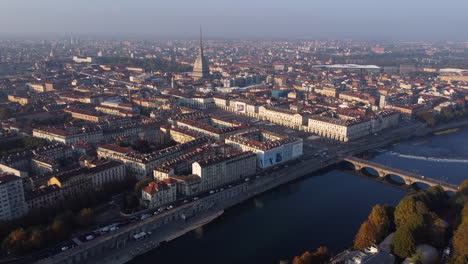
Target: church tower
point(201, 69)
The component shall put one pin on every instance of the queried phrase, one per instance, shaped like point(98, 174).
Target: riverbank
point(448, 126)
point(118, 246)
point(169, 233)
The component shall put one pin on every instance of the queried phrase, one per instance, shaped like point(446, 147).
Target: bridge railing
point(410, 174)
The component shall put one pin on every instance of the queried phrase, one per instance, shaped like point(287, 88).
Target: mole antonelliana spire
point(200, 67)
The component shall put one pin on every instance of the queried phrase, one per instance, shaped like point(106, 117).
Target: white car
point(211, 192)
point(144, 216)
point(195, 198)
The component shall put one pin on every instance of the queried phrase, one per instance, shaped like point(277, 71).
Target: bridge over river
point(407, 176)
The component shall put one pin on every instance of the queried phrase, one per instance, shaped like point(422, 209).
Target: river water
point(320, 210)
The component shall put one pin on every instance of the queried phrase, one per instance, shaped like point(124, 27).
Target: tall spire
point(200, 67)
point(200, 51)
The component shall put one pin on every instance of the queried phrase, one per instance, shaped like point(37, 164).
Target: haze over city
point(242, 19)
point(234, 132)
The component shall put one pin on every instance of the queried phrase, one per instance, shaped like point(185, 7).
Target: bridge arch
point(420, 185)
point(348, 165)
point(370, 171)
point(395, 179)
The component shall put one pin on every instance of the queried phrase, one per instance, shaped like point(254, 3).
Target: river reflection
point(323, 210)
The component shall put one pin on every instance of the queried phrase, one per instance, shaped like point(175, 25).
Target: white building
point(221, 170)
point(12, 202)
point(159, 193)
point(69, 137)
point(271, 148)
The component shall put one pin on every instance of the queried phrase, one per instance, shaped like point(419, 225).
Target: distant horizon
point(416, 20)
point(206, 37)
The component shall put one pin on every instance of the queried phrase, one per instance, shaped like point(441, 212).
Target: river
point(320, 210)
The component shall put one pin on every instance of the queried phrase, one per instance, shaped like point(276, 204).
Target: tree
point(403, 244)
point(37, 239)
point(4, 112)
point(416, 223)
point(408, 206)
point(366, 236)
point(417, 258)
point(438, 197)
point(429, 117)
point(16, 242)
point(320, 256)
point(141, 146)
point(436, 230)
point(142, 184)
point(58, 229)
point(460, 239)
point(85, 217)
point(382, 217)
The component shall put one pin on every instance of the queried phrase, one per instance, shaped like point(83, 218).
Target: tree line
point(416, 220)
point(43, 227)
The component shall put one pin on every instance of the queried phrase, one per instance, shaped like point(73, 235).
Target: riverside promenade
point(120, 247)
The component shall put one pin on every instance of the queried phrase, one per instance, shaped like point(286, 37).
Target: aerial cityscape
point(241, 132)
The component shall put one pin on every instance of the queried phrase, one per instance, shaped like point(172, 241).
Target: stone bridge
point(407, 176)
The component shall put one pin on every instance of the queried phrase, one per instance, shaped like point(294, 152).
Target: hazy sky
point(244, 19)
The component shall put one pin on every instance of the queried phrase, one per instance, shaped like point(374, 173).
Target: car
point(185, 201)
point(155, 213)
point(144, 216)
point(170, 207)
point(230, 186)
point(211, 192)
point(114, 228)
point(89, 237)
point(247, 179)
point(195, 198)
point(64, 248)
point(222, 189)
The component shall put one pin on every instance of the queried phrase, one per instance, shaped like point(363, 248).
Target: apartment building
point(271, 148)
point(159, 193)
point(12, 202)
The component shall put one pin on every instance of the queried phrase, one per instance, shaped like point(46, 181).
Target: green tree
point(416, 223)
point(403, 244)
point(407, 207)
point(460, 239)
point(438, 197)
point(382, 217)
